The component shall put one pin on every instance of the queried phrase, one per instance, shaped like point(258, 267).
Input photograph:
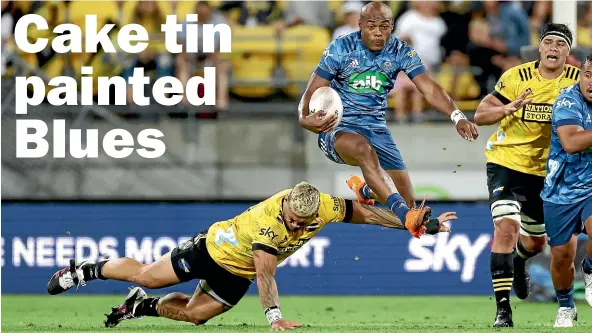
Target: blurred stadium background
point(220, 160)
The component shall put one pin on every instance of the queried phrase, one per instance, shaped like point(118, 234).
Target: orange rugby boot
point(416, 219)
point(356, 184)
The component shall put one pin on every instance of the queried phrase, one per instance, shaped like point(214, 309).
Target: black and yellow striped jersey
point(522, 139)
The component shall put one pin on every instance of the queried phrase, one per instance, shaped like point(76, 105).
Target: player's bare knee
point(562, 256)
point(506, 231)
point(198, 317)
point(537, 244)
point(175, 296)
point(588, 226)
point(362, 152)
point(145, 279)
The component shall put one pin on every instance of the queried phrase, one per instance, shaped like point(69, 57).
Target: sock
point(587, 266)
point(98, 270)
point(89, 272)
point(502, 275)
point(365, 192)
point(147, 308)
point(521, 255)
point(565, 297)
point(397, 205)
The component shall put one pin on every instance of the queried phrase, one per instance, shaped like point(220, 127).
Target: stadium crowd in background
point(466, 45)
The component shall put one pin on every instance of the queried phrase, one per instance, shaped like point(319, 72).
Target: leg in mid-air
point(367, 196)
point(388, 159)
point(356, 150)
point(158, 274)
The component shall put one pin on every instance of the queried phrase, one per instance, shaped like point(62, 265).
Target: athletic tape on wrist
point(456, 116)
point(273, 314)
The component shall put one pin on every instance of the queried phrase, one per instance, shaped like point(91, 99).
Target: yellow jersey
point(522, 140)
point(230, 243)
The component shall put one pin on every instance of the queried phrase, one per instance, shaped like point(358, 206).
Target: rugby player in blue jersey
point(362, 67)
point(567, 194)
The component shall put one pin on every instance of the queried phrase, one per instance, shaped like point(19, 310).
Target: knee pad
point(505, 209)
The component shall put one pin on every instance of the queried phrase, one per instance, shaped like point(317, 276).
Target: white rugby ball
point(327, 99)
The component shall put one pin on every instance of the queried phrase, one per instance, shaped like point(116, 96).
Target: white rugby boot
point(67, 278)
point(588, 282)
point(566, 317)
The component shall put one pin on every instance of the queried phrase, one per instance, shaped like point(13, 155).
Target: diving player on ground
point(567, 194)
point(362, 68)
point(228, 255)
point(516, 155)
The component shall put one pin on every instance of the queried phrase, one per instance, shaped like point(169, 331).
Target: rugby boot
point(503, 317)
point(566, 317)
point(521, 282)
point(67, 278)
point(356, 184)
point(126, 310)
point(416, 219)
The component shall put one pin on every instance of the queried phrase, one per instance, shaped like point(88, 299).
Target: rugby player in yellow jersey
point(230, 254)
point(516, 157)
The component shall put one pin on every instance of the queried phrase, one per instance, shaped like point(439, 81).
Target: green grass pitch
point(82, 313)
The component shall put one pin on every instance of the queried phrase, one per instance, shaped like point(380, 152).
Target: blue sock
point(587, 266)
point(397, 205)
point(565, 297)
point(365, 192)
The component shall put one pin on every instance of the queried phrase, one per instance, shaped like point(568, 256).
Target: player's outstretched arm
point(436, 96)
point(367, 214)
point(491, 109)
point(265, 265)
point(313, 123)
point(574, 138)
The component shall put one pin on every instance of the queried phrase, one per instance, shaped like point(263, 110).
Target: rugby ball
point(327, 99)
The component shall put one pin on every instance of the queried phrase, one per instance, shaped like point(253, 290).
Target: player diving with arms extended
point(362, 67)
point(229, 255)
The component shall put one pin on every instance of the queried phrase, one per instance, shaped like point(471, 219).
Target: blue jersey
point(569, 176)
point(363, 78)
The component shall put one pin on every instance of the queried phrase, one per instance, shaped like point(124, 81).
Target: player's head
point(303, 206)
point(556, 41)
point(376, 25)
point(586, 78)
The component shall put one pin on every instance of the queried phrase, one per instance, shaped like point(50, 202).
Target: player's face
point(375, 32)
point(294, 222)
point(554, 52)
point(586, 81)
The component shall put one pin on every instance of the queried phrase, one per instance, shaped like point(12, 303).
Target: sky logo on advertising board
point(433, 253)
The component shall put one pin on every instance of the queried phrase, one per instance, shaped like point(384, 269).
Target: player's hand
point(445, 217)
point(435, 226)
point(467, 130)
point(282, 325)
point(318, 123)
point(518, 103)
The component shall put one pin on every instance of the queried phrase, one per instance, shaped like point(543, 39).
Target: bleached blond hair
point(304, 200)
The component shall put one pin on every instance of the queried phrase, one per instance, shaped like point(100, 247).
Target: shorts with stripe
point(191, 260)
point(516, 195)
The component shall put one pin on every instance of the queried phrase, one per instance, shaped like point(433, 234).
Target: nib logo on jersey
point(367, 82)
